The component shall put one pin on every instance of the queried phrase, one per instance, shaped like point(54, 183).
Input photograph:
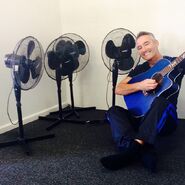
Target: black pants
point(161, 119)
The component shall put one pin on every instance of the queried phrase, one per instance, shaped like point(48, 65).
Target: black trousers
point(161, 119)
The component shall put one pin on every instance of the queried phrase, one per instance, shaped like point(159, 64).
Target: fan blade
point(61, 49)
point(31, 47)
point(128, 42)
point(76, 65)
point(125, 63)
point(60, 46)
point(111, 50)
point(70, 51)
point(35, 67)
point(23, 72)
point(53, 60)
point(81, 47)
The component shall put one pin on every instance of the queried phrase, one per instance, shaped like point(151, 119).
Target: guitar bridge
point(146, 93)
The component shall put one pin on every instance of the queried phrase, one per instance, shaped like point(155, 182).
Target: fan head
point(55, 57)
point(26, 63)
point(82, 48)
point(119, 46)
point(69, 54)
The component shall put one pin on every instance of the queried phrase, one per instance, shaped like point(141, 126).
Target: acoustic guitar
point(139, 102)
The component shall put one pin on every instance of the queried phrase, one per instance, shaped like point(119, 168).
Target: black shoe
point(126, 157)
point(149, 158)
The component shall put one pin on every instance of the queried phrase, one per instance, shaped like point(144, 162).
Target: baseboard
point(27, 119)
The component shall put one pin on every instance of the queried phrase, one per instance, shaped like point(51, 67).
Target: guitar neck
point(174, 63)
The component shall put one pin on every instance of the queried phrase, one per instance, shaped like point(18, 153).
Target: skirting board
point(30, 118)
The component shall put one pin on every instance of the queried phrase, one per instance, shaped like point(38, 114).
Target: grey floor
point(72, 157)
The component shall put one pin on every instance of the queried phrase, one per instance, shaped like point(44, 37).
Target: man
point(135, 137)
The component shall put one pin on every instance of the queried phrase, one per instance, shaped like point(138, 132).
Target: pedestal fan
point(26, 64)
point(80, 55)
point(64, 56)
point(119, 54)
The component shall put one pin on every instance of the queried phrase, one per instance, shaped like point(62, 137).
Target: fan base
point(57, 121)
point(70, 112)
point(24, 142)
point(73, 111)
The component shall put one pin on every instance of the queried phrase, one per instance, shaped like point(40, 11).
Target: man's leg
point(160, 120)
point(155, 120)
point(123, 125)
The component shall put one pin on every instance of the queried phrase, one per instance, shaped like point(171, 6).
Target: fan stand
point(21, 140)
point(114, 80)
point(73, 110)
point(60, 118)
point(70, 112)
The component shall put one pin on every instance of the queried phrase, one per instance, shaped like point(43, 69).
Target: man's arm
point(124, 88)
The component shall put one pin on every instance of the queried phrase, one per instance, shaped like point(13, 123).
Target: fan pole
point(58, 81)
point(70, 76)
point(71, 89)
point(60, 118)
point(17, 92)
point(114, 80)
point(21, 138)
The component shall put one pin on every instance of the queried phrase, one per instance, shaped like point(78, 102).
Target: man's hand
point(147, 85)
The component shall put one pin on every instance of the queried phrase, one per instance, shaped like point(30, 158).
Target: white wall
point(48, 19)
point(94, 19)
point(18, 19)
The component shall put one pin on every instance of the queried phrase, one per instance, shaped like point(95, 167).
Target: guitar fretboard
point(171, 66)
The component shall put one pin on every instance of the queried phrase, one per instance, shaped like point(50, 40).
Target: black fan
point(26, 64)
point(119, 54)
point(66, 55)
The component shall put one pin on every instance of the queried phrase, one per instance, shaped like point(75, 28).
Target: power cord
point(7, 108)
point(107, 88)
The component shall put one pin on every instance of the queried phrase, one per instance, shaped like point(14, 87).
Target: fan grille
point(82, 59)
point(21, 50)
point(116, 36)
point(52, 47)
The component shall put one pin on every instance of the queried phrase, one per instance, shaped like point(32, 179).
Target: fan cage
point(21, 49)
point(51, 72)
point(117, 35)
point(83, 59)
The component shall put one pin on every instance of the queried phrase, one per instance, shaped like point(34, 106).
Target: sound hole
point(158, 78)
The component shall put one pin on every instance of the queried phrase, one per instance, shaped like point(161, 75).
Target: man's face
point(147, 47)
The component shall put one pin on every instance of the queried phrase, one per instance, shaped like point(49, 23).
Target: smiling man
point(135, 136)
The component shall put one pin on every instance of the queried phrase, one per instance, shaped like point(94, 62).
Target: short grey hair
point(142, 33)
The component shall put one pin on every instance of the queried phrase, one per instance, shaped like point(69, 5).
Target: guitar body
point(139, 103)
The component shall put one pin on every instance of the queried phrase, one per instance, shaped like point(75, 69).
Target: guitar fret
point(166, 70)
point(171, 66)
point(178, 60)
